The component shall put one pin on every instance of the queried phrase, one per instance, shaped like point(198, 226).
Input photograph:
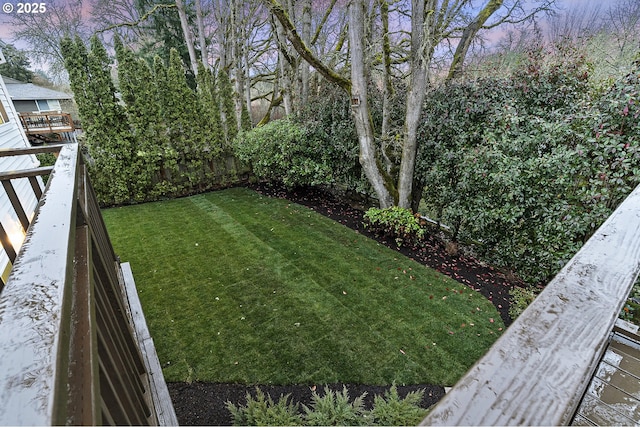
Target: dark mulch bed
point(204, 403)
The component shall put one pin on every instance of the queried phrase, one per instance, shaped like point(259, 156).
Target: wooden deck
point(613, 396)
point(538, 371)
point(46, 123)
point(74, 347)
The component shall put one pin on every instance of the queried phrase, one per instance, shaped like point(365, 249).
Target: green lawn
point(239, 287)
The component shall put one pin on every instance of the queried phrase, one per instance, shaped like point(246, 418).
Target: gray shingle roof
point(19, 91)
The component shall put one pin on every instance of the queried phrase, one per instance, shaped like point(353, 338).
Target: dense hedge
point(531, 164)
point(159, 138)
point(317, 146)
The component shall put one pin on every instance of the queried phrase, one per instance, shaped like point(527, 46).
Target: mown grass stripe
point(238, 287)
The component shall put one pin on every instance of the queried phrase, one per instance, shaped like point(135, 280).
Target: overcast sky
point(6, 31)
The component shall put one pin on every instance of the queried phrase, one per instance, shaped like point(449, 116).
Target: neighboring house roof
point(19, 91)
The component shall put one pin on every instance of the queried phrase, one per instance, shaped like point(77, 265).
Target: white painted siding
point(12, 135)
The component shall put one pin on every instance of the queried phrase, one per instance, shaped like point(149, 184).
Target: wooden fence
point(539, 369)
point(74, 347)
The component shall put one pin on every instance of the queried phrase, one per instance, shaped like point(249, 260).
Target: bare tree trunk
point(247, 77)
point(204, 53)
point(187, 35)
point(386, 70)
point(237, 59)
point(306, 38)
point(284, 64)
point(221, 34)
point(421, 52)
point(360, 106)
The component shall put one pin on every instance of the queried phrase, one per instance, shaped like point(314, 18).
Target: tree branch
point(139, 21)
point(303, 50)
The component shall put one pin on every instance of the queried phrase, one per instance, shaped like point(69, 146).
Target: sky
point(12, 7)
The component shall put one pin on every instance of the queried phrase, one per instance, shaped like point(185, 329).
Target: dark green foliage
point(46, 159)
point(395, 222)
point(631, 310)
point(17, 65)
point(532, 164)
point(327, 120)
point(104, 120)
point(162, 140)
point(319, 146)
point(164, 33)
point(282, 150)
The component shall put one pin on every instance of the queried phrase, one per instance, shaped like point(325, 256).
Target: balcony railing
point(538, 371)
point(74, 346)
point(44, 123)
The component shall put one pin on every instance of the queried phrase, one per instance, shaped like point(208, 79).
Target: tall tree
point(43, 32)
point(104, 120)
point(188, 38)
point(432, 23)
point(17, 65)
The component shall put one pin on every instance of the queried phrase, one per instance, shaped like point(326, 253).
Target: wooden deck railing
point(74, 347)
point(538, 370)
point(43, 123)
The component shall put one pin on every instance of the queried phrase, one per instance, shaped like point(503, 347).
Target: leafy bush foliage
point(282, 150)
point(530, 165)
point(520, 299)
point(399, 223)
point(631, 310)
point(331, 409)
point(317, 146)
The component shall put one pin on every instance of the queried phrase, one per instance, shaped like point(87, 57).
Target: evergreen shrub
point(282, 151)
point(331, 409)
point(396, 222)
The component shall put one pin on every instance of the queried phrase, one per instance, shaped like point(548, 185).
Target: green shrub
point(391, 410)
point(631, 310)
point(46, 159)
point(331, 409)
point(395, 222)
point(520, 299)
point(263, 411)
point(282, 151)
point(334, 409)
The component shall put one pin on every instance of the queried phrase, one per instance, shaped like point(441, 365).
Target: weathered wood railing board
point(70, 352)
point(538, 370)
point(32, 336)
